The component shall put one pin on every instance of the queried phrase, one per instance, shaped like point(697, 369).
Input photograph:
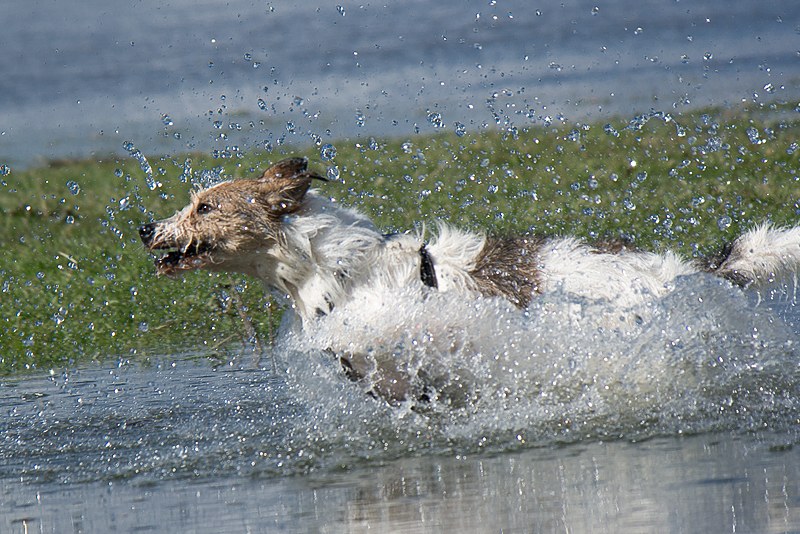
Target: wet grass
point(76, 285)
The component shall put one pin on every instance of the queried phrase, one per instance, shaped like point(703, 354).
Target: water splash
point(435, 119)
point(135, 153)
point(565, 369)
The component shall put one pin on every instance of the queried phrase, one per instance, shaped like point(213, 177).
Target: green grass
point(76, 284)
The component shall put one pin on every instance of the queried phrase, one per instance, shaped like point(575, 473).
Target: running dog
point(319, 256)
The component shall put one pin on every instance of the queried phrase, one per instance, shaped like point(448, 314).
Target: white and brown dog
point(307, 249)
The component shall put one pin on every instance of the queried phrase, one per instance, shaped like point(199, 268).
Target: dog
point(319, 257)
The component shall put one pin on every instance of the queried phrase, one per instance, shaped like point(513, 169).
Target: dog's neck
point(325, 251)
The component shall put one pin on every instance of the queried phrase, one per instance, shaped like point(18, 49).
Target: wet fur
point(318, 256)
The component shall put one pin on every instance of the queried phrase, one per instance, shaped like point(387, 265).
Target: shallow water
point(82, 78)
point(709, 483)
point(681, 420)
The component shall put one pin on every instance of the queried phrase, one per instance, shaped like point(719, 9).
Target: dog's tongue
point(172, 264)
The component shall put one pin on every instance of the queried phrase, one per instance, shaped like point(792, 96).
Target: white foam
point(566, 368)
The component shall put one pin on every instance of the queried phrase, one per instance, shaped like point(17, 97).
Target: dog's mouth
point(172, 261)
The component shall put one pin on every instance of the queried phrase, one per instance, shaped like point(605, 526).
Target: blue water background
point(80, 78)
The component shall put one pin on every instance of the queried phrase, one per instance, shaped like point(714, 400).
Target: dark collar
point(426, 272)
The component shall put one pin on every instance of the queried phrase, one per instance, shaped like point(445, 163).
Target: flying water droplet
point(187, 171)
point(724, 222)
point(460, 129)
point(333, 173)
point(207, 178)
point(769, 88)
point(327, 152)
point(262, 104)
point(73, 187)
point(340, 9)
point(5, 170)
point(752, 134)
point(136, 154)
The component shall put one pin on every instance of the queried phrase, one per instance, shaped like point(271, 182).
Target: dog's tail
point(757, 255)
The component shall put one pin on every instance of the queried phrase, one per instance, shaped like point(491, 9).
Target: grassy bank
point(75, 284)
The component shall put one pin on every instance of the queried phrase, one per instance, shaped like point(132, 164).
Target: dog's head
point(226, 221)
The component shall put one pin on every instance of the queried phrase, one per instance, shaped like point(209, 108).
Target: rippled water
point(158, 443)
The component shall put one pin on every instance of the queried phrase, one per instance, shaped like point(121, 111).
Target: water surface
point(683, 420)
point(82, 78)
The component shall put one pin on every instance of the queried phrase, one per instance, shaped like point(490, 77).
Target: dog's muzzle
point(172, 258)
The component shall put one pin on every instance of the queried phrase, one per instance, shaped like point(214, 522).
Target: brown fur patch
point(507, 267)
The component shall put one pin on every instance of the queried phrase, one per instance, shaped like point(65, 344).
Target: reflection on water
point(710, 483)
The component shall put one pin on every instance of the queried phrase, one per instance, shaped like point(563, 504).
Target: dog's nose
point(146, 232)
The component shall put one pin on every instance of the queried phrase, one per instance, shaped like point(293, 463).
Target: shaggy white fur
point(328, 253)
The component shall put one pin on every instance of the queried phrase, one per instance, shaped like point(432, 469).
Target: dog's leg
point(756, 255)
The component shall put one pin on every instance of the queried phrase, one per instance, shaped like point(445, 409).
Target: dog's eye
point(204, 208)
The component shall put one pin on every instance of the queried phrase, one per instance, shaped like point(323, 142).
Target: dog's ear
point(285, 183)
point(285, 169)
